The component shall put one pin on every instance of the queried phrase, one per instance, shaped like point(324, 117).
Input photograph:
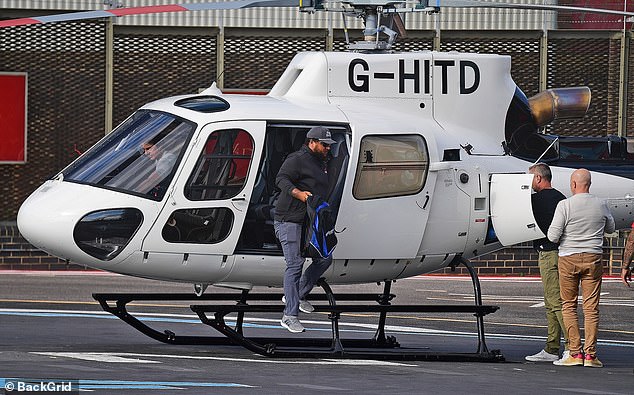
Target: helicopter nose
point(42, 223)
point(78, 223)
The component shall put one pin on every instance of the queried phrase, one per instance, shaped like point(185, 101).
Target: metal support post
point(543, 61)
point(220, 56)
point(240, 319)
point(109, 88)
point(337, 347)
point(623, 82)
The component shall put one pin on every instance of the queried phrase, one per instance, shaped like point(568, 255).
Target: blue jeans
point(296, 285)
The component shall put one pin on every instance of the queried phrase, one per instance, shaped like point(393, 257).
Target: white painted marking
point(134, 358)
point(541, 304)
point(362, 328)
point(587, 391)
point(95, 356)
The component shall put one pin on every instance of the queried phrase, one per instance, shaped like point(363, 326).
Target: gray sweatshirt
point(579, 224)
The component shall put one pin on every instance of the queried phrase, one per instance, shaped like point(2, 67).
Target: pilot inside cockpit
point(164, 161)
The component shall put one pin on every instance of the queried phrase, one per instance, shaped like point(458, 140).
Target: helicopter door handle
point(424, 206)
point(239, 199)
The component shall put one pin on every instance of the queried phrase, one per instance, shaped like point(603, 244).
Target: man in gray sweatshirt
point(578, 226)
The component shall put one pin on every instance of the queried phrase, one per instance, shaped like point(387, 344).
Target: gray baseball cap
point(320, 133)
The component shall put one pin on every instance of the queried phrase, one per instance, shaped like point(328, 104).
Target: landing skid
point(380, 346)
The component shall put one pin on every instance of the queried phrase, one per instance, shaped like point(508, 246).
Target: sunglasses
point(325, 145)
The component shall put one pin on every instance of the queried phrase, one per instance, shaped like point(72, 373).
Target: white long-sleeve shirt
point(579, 224)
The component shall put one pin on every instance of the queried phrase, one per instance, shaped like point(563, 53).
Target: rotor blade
point(154, 9)
point(538, 7)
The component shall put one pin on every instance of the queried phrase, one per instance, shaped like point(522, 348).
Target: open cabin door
point(385, 208)
point(511, 209)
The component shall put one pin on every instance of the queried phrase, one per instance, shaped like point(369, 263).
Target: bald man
point(578, 226)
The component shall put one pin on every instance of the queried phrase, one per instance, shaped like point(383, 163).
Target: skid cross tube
point(482, 346)
point(379, 336)
point(337, 347)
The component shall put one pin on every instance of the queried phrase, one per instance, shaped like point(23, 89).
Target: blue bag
point(320, 239)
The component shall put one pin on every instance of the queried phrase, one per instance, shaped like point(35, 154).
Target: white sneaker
point(292, 324)
point(564, 357)
point(570, 360)
point(542, 356)
point(304, 305)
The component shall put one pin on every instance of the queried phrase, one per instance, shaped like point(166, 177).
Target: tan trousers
point(585, 269)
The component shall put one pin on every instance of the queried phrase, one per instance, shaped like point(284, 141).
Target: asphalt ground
point(52, 330)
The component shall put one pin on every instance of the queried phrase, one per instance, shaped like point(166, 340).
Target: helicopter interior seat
point(258, 231)
point(264, 191)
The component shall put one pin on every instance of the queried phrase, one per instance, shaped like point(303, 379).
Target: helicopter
point(428, 171)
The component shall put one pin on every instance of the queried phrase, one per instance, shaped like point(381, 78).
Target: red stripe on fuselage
point(19, 22)
point(153, 9)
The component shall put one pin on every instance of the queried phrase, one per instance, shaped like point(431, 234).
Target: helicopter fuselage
point(418, 174)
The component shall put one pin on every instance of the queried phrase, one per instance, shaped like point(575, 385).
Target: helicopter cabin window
point(221, 170)
point(140, 156)
point(200, 226)
point(391, 166)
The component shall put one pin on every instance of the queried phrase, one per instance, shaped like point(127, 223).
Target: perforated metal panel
point(524, 52)
point(257, 62)
point(152, 66)
point(65, 63)
point(592, 62)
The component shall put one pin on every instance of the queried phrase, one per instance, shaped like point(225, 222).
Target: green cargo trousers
point(549, 271)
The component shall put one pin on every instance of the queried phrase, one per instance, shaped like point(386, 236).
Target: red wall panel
point(13, 117)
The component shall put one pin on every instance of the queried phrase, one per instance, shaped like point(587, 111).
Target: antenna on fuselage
point(546, 150)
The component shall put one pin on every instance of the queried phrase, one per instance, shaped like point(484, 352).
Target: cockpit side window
point(390, 166)
point(140, 156)
point(223, 166)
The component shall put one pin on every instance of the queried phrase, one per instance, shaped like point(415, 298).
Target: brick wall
point(17, 254)
point(520, 260)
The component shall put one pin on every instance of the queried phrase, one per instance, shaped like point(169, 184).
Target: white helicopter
point(429, 170)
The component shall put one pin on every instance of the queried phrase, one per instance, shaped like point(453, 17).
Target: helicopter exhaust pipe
point(559, 103)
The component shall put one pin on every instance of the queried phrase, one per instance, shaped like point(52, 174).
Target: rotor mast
point(381, 19)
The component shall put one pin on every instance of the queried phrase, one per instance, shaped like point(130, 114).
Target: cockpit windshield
point(139, 157)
